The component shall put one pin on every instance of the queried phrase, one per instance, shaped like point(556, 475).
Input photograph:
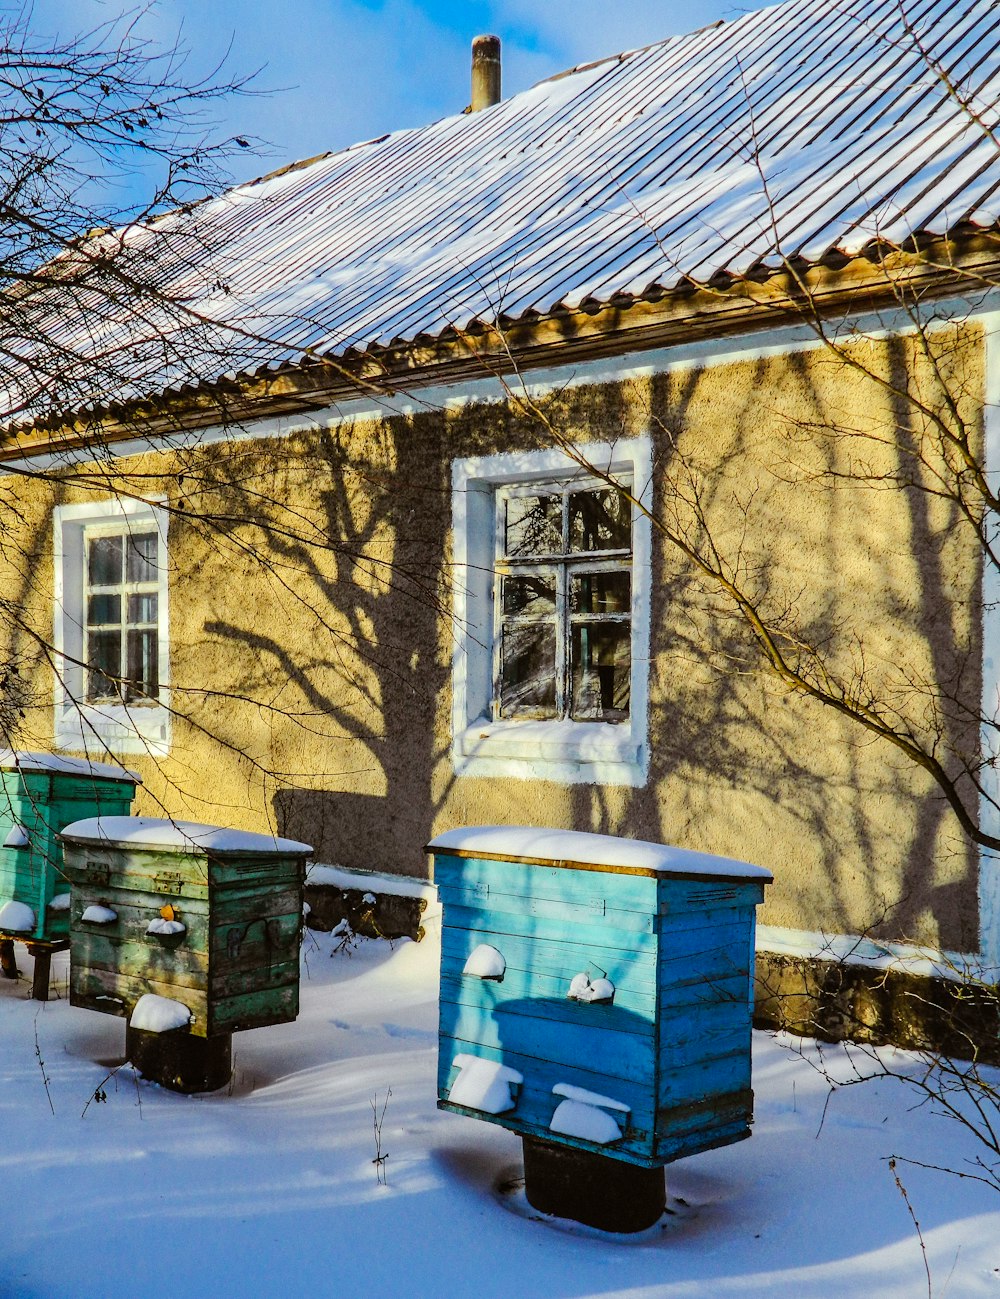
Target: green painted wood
point(44, 803)
point(237, 962)
point(273, 1005)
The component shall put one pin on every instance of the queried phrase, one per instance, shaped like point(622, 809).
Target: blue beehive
point(595, 991)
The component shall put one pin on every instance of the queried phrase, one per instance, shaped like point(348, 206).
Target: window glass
point(600, 671)
point(528, 679)
point(563, 621)
point(122, 605)
point(600, 520)
point(533, 525)
point(104, 561)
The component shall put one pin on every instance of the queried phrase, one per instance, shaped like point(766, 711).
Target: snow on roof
point(523, 841)
point(802, 130)
point(25, 761)
point(179, 836)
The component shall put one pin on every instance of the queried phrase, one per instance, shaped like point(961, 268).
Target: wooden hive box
point(40, 794)
point(658, 1071)
point(238, 896)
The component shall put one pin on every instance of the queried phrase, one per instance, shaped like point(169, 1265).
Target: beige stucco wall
point(310, 642)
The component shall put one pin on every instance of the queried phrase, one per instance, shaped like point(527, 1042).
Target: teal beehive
point(595, 991)
point(40, 794)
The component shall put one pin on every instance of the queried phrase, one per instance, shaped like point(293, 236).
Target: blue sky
point(341, 71)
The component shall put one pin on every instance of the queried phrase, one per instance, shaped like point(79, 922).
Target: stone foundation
point(838, 1001)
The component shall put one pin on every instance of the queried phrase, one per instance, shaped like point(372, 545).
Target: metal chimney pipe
point(485, 72)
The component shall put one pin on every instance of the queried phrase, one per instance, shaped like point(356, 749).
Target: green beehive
point(42, 793)
point(207, 918)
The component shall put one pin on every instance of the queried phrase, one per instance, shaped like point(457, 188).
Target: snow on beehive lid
point(64, 765)
point(179, 836)
point(597, 851)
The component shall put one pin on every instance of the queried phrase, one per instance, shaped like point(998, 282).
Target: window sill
point(119, 728)
point(564, 751)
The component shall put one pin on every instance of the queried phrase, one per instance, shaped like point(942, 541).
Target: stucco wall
point(311, 645)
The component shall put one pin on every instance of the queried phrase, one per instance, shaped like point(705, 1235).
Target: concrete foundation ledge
point(836, 1001)
point(375, 904)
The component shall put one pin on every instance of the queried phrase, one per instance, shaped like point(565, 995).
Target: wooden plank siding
point(235, 967)
point(44, 803)
point(673, 1045)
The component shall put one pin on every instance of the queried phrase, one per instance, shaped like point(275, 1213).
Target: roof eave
point(966, 265)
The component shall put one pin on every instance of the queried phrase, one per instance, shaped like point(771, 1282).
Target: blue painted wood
point(600, 933)
point(494, 879)
point(543, 990)
point(675, 1043)
point(555, 960)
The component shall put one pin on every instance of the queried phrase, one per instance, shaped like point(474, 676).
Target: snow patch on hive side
point(17, 917)
point(485, 962)
point(587, 1122)
point(484, 1085)
point(154, 1014)
point(98, 915)
point(17, 837)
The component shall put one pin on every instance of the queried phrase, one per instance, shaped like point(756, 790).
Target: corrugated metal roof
point(802, 129)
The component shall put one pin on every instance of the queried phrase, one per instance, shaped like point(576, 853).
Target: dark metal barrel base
point(179, 1061)
point(593, 1189)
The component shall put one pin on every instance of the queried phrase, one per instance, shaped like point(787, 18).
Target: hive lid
point(577, 848)
point(179, 836)
point(22, 760)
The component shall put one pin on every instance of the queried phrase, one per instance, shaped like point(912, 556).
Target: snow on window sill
point(564, 751)
point(114, 728)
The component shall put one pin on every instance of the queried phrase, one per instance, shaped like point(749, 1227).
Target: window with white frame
point(111, 627)
point(552, 614)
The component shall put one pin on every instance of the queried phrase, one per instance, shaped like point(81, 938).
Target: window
point(564, 604)
point(110, 627)
point(121, 594)
point(552, 615)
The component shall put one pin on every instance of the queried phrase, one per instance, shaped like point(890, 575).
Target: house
point(618, 456)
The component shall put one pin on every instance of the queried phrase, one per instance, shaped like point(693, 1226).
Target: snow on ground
point(268, 1187)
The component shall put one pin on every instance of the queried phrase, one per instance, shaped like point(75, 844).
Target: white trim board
point(989, 862)
point(734, 348)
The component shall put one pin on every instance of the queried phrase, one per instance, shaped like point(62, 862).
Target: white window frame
point(566, 751)
point(141, 726)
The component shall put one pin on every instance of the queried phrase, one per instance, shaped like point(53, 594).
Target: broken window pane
point(533, 525)
point(528, 670)
point(600, 671)
point(600, 520)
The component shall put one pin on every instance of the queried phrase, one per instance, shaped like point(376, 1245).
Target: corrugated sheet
point(805, 128)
